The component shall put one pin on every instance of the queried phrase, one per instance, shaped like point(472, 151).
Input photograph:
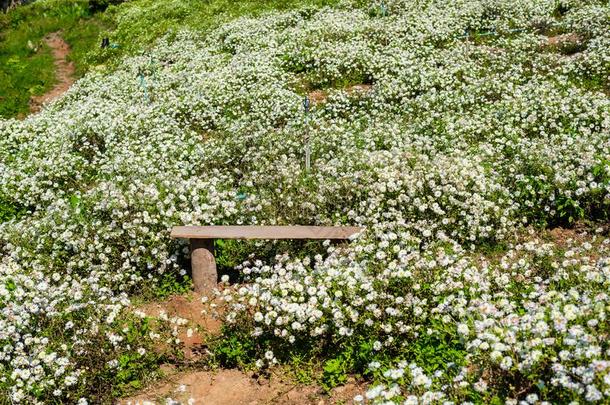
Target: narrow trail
point(234, 387)
point(223, 386)
point(64, 71)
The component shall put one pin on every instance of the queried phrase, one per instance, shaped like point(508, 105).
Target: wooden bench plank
point(265, 232)
point(203, 263)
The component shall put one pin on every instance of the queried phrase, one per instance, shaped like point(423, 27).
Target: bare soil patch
point(564, 38)
point(197, 326)
point(64, 71)
point(568, 45)
point(320, 96)
point(579, 233)
point(236, 387)
point(223, 386)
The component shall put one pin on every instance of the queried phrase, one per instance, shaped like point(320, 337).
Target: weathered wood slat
point(265, 232)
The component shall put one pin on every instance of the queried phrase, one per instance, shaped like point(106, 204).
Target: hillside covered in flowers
point(461, 134)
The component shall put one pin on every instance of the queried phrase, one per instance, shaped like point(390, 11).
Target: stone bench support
point(203, 264)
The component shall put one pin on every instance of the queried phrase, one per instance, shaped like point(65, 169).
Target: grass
point(26, 64)
point(82, 37)
point(23, 75)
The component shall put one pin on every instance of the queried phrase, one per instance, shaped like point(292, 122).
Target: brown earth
point(224, 386)
point(566, 237)
point(579, 233)
point(567, 45)
point(234, 387)
point(564, 38)
point(320, 96)
point(64, 71)
point(198, 325)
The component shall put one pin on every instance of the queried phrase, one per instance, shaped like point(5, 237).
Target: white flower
point(463, 329)
point(593, 394)
point(506, 363)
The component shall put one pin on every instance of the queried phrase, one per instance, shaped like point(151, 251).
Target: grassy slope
point(26, 64)
point(131, 26)
point(139, 23)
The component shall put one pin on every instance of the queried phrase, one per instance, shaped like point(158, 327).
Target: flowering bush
point(472, 129)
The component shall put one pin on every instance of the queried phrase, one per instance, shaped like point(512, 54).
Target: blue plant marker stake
point(306, 106)
point(153, 67)
point(242, 196)
point(143, 85)
point(384, 10)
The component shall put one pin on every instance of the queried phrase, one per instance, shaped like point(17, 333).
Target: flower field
point(458, 133)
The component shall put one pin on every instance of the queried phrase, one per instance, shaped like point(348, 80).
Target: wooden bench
point(203, 264)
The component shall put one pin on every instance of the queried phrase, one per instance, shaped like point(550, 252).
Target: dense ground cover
point(481, 123)
point(137, 24)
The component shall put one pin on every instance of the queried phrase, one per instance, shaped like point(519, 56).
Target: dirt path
point(234, 387)
point(223, 386)
point(64, 71)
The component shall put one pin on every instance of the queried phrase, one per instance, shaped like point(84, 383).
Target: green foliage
point(27, 66)
point(335, 372)
point(22, 76)
point(229, 254)
point(303, 369)
point(352, 360)
point(104, 202)
point(113, 371)
point(569, 210)
point(169, 284)
point(133, 366)
point(234, 348)
point(593, 82)
point(10, 210)
point(102, 5)
point(83, 36)
point(492, 248)
point(601, 206)
point(439, 349)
